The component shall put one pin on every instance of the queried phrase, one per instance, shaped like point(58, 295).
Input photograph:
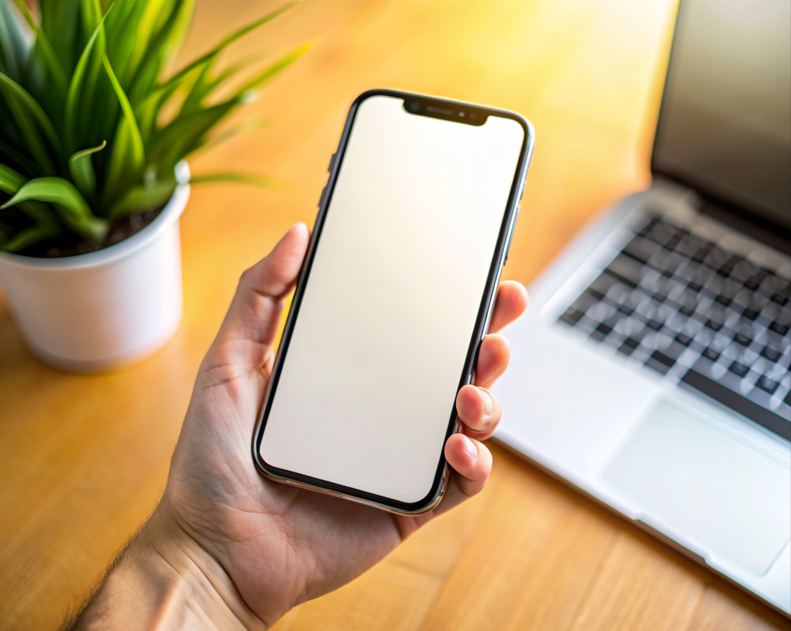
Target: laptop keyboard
point(698, 314)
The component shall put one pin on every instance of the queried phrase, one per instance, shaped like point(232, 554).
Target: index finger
point(510, 303)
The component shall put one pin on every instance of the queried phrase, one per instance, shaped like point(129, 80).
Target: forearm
point(163, 580)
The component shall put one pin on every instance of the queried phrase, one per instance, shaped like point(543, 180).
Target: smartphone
point(393, 299)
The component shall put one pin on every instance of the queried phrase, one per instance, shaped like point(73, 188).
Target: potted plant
point(95, 130)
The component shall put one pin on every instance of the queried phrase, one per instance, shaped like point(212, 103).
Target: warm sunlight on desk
point(83, 459)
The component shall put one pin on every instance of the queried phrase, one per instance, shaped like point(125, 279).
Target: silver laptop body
point(652, 368)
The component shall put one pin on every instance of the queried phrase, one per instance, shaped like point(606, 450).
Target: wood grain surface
point(83, 458)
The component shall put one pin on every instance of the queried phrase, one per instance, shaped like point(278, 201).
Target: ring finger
point(479, 411)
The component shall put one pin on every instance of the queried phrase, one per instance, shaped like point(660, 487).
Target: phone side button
point(332, 159)
point(321, 198)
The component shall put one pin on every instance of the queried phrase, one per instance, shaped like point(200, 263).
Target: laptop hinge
point(666, 191)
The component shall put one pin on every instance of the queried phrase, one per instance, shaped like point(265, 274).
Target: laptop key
point(601, 285)
point(750, 314)
point(688, 308)
point(662, 358)
point(739, 369)
point(628, 346)
point(571, 316)
point(685, 340)
point(780, 328)
point(755, 281)
point(652, 221)
point(714, 325)
point(772, 354)
point(631, 342)
point(595, 293)
point(626, 270)
point(657, 365)
point(601, 331)
point(741, 338)
point(766, 384)
point(673, 241)
point(710, 353)
point(716, 258)
point(701, 254)
point(640, 250)
point(779, 299)
point(727, 269)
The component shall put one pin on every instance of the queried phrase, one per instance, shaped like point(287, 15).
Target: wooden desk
point(83, 459)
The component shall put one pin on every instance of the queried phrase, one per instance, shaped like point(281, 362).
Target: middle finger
point(493, 357)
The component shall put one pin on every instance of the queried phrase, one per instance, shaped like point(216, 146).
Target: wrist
point(166, 580)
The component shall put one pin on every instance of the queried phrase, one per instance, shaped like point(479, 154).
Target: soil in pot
point(120, 229)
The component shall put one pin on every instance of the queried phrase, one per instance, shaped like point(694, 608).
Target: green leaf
point(144, 19)
point(10, 183)
point(238, 178)
point(146, 113)
point(128, 154)
point(10, 180)
point(60, 21)
point(184, 134)
point(91, 13)
point(201, 87)
point(82, 85)
point(48, 54)
point(27, 237)
point(14, 46)
point(70, 205)
point(41, 214)
point(230, 40)
point(140, 198)
point(242, 128)
point(161, 51)
point(276, 68)
point(205, 84)
point(75, 77)
point(8, 153)
point(10, 87)
point(27, 127)
point(81, 170)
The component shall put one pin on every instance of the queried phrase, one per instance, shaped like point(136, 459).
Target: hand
point(252, 548)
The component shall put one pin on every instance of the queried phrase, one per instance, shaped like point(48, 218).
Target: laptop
point(651, 370)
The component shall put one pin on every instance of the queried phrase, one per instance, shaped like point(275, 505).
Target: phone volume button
point(321, 198)
point(332, 160)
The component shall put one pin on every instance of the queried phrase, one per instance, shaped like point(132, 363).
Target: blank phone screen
point(368, 381)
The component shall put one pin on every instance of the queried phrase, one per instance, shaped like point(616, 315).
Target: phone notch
point(446, 110)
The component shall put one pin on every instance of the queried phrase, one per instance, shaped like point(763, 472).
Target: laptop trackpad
point(718, 492)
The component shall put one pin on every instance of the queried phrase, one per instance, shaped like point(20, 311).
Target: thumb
point(250, 326)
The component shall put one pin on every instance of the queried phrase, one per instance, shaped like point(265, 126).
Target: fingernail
point(488, 405)
point(470, 447)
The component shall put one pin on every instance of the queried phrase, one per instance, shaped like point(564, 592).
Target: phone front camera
point(414, 106)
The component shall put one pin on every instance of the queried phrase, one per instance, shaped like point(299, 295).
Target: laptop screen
point(725, 122)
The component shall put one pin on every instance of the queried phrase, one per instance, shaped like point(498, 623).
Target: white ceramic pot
point(104, 309)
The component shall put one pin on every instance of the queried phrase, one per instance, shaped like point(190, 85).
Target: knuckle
point(245, 276)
